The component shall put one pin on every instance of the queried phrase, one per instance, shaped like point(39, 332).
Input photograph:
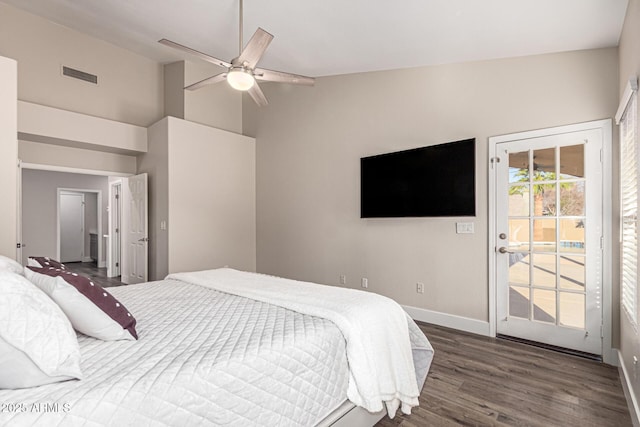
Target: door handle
point(143, 239)
point(504, 250)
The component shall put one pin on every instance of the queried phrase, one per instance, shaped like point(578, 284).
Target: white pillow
point(90, 308)
point(10, 265)
point(38, 344)
point(17, 370)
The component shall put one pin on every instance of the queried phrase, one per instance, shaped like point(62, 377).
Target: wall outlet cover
point(465, 228)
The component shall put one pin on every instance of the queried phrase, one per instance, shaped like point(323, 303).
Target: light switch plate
point(465, 228)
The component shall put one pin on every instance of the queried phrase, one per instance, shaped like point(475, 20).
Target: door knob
point(502, 236)
point(504, 250)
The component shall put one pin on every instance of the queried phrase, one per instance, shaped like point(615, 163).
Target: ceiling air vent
point(81, 75)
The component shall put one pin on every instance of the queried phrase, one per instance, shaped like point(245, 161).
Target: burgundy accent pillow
point(90, 308)
point(44, 262)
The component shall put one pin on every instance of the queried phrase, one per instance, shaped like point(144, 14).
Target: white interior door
point(135, 238)
point(549, 265)
point(71, 207)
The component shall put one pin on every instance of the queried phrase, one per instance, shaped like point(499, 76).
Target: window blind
point(629, 208)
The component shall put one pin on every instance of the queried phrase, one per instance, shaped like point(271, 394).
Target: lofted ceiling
point(328, 37)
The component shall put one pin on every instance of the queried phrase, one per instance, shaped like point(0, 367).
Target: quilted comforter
point(204, 358)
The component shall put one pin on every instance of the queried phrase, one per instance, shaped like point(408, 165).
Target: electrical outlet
point(420, 288)
point(343, 279)
point(365, 282)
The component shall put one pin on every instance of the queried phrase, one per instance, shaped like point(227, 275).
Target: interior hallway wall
point(39, 208)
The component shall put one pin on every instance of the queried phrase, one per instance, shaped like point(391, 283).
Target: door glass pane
point(544, 164)
point(544, 270)
point(544, 199)
point(519, 234)
point(519, 269)
point(519, 200)
point(572, 235)
point(544, 235)
point(572, 310)
point(519, 167)
point(572, 198)
point(544, 305)
point(572, 162)
point(519, 302)
point(572, 272)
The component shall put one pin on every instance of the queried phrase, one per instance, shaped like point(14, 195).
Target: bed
point(208, 357)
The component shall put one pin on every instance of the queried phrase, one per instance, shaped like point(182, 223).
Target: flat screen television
point(433, 181)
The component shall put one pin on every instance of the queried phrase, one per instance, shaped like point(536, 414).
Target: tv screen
point(438, 180)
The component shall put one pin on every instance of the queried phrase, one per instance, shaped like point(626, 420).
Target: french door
point(549, 262)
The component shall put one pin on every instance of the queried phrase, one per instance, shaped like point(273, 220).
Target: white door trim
point(115, 216)
point(78, 190)
point(19, 241)
point(605, 126)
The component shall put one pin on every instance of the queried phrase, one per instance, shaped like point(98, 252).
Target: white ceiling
point(327, 37)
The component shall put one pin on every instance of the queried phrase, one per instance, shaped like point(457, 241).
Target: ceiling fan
point(241, 72)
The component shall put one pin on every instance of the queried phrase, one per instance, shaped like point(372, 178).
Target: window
point(627, 119)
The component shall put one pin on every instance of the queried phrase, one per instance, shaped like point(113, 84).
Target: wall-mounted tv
point(433, 181)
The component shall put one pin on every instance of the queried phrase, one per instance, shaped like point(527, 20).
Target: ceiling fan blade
point(208, 81)
point(281, 77)
point(254, 50)
point(196, 53)
point(258, 96)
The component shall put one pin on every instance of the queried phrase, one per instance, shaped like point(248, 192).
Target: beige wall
point(310, 141)
point(174, 89)
point(129, 86)
point(77, 158)
point(216, 105)
point(630, 66)
point(155, 163)
point(8, 156)
point(202, 182)
point(212, 215)
point(52, 125)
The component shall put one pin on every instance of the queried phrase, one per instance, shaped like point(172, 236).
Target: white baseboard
point(448, 320)
point(632, 402)
point(102, 264)
point(87, 259)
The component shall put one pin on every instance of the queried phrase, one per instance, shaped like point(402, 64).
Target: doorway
point(79, 226)
point(549, 237)
point(71, 226)
point(45, 195)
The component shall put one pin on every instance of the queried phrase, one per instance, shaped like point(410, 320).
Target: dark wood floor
point(481, 381)
point(98, 275)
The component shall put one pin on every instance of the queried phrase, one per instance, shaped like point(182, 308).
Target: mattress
point(203, 358)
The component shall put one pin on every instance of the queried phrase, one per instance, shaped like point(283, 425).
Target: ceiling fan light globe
point(240, 80)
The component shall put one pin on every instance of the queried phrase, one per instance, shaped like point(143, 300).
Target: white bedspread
point(375, 329)
point(204, 358)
